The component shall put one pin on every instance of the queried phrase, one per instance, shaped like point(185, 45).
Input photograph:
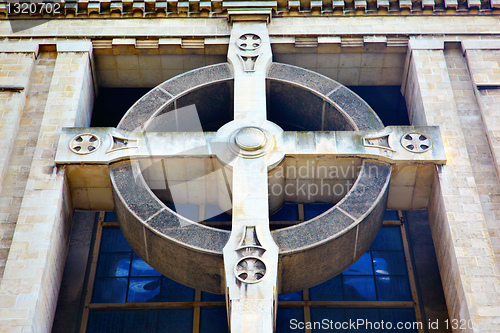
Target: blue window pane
point(109, 290)
point(361, 267)
point(391, 215)
point(330, 290)
point(112, 240)
point(389, 263)
point(297, 296)
point(105, 322)
point(329, 319)
point(404, 316)
point(140, 268)
point(313, 210)
point(110, 217)
point(144, 321)
point(215, 213)
point(209, 297)
point(144, 289)
point(213, 320)
point(370, 318)
point(393, 288)
point(172, 291)
point(389, 238)
point(359, 288)
point(113, 265)
point(288, 320)
point(288, 212)
point(175, 321)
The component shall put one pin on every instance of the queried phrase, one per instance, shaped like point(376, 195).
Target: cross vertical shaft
point(250, 255)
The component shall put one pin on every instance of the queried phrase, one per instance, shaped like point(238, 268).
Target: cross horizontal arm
point(106, 145)
point(392, 144)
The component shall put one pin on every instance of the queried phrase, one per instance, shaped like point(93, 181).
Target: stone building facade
point(445, 56)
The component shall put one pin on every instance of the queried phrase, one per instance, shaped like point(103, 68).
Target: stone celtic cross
point(250, 264)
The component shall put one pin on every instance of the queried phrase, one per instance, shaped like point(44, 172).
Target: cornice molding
point(280, 8)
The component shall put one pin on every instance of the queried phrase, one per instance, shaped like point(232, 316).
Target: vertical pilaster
point(465, 255)
point(15, 75)
point(483, 63)
point(30, 285)
point(16, 68)
point(17, 165)
point(485, 72)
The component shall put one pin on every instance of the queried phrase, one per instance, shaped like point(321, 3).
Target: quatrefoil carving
point(84, 144)
point(249, 42)
point(416, 142)
point(250, 270)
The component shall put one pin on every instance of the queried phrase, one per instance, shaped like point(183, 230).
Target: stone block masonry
point(33, 271)
point(463, 246)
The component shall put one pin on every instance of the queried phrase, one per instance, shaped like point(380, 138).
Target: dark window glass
point(113, 265)
point(330, 290)
point(121, 276)
point(313, 210)
point(393, 288)
point(110, 217)
point(288, 212)
point(389, 263)
point(368, 315)
point(213, 320)
point(297, 296)
point(140, 268)
point(286, 319)
point(404, 316)
point(209, 297)
point(144, 289)
point(391, 215)
point(389, 238)
point(359, 288)
point(175, 321)
point(105, 321)
point(109, 290)
point(144, 321)
point(172, 291)
point(363, 266)
point(112, 240)
point(330, 319)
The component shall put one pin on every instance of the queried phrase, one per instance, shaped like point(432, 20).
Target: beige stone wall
point(480, 119)
point(466, 259)
point(23, 135)
point(15, 71)
point(31, 279)
point(485, 72)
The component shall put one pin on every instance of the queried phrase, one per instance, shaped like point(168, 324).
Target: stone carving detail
point(249, 42)
point(84, 144)
point(249, 63)
point(416, 142)
point(118, 143)
point(250, 270)
point(379, 142)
